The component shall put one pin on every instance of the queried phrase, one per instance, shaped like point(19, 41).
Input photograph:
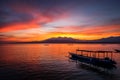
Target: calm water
point(50, 62)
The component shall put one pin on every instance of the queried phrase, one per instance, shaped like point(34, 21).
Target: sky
point(36, 20)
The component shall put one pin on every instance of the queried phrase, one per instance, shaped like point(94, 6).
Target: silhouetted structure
point(105, 62)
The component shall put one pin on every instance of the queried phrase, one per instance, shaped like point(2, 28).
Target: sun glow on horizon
point(40, 20)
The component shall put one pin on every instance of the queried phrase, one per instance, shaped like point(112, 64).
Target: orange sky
point(36, 34)
point(35, 21)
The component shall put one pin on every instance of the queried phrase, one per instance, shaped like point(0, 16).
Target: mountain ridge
point(72, 40)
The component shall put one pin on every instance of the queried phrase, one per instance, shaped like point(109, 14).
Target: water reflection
point(47, 62)
point(91, 67)
point(104, 73)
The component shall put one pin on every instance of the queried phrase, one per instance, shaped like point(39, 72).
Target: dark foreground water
point(50, 62)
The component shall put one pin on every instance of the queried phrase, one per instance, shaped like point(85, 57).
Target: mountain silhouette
point(72, 40)
point(61, 40)
point(109, 40)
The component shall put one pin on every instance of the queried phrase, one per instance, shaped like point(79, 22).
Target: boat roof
point(98, 51)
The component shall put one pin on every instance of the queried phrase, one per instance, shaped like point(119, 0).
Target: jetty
point(93, 58)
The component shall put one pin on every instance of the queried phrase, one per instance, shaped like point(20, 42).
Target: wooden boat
point(104, 62)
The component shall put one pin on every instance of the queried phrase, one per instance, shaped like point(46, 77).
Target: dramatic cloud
point(114, 21)
point(31, 20)
point(9, 17)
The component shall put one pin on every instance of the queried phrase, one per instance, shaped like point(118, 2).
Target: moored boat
point(105, 62)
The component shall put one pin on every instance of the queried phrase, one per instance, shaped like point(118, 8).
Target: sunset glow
point(29, 20)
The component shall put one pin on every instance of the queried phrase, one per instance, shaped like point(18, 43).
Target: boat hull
point(104, 63)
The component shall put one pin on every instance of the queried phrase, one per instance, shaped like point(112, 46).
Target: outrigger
point(94, 60)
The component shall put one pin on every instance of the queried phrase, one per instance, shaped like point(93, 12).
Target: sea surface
point(51, 62)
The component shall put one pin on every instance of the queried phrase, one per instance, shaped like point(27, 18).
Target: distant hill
point(108, 40)
point(61, 40)
point(72, 40)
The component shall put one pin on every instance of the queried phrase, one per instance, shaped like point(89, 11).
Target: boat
point(105, 62)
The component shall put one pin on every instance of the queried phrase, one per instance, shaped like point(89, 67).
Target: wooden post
point(90, 54)
point(81, 53)
point(106, 54)
point(111, 55)
point(94, 55)
point(76, 51)
point(98, 54)
point(87, 54)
